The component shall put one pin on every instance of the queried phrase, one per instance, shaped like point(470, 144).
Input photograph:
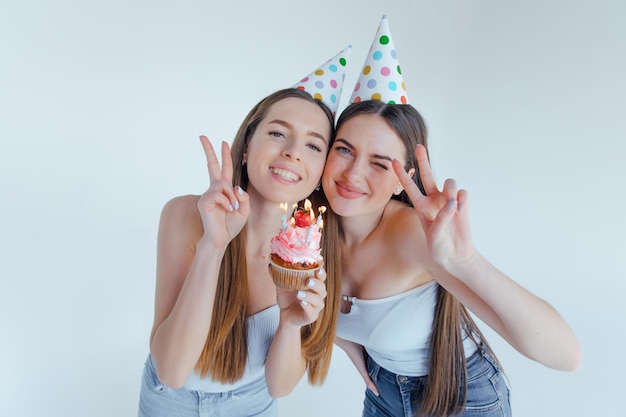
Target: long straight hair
point(446, 383)
point(225, 352)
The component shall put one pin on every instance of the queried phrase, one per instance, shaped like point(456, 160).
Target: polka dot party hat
point(326, 82)
point(381, 76)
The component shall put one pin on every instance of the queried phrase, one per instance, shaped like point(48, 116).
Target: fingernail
point(301, 294)
point(230, 207)
point(236, 205)
point(321, 272)
point(451, 204)
point(310, 282)
point(304, 303)
point(239, 190)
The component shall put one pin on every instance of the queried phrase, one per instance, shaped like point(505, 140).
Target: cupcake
point(295, 251)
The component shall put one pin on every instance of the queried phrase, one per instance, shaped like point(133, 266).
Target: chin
point(341, 208)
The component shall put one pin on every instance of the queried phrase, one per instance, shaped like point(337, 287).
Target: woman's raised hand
point(224, 208)
point(443, 214)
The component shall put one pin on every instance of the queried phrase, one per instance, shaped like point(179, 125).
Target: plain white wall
point(101, 105)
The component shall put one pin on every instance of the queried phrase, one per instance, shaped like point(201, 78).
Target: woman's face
point(285, 157)
point(358, 178)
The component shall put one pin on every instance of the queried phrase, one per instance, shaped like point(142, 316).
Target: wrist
point(467, 269)
point(289, 332)
point(205, 245)
point(287, 324)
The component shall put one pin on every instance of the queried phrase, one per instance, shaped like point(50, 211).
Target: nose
point(292, 151)
point(354, 170)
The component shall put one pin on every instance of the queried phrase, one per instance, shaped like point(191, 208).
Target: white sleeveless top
point(396, 330)
point(261, 329)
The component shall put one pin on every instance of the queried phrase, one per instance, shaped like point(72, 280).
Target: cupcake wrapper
point(292, 279)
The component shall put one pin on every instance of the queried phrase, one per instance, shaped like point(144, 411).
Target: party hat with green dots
point(381, 76)
point(326, 82)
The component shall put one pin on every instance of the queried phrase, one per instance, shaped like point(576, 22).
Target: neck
point(356, 229)
point(263, 222)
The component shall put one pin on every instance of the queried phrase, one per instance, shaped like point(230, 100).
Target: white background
point(101, 105)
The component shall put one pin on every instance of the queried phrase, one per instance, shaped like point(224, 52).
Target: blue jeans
point(159, 400)
point(487, 391)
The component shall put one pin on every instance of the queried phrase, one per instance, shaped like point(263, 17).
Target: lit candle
point(283, 218)
point(319, 223)
point(321, 211)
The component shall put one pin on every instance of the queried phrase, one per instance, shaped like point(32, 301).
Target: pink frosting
point(290, 245)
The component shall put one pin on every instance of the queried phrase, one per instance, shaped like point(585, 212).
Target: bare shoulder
point(180, 219)
point(182, 206)
point(404, 231)
point(402, 222)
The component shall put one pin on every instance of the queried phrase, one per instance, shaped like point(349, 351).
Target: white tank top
point(396, 330)
point(261, 329)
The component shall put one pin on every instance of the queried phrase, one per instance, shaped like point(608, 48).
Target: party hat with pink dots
point(326, 82)
point(381, 76)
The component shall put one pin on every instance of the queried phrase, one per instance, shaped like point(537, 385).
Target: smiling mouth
point(285, 175)
point(348, 191)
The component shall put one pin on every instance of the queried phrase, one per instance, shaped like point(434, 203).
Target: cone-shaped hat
point(381, 76)
point(326, 82)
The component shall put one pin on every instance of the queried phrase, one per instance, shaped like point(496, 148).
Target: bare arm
point(357, 355)
point(286, 362)
point(185, 291)
point(528, 323)
point(193, 235)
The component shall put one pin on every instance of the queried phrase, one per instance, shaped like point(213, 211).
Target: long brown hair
point(225, 352)
point(446, 383)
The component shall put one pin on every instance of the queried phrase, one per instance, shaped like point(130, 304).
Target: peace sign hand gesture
point(224, 209)
point(443, 214)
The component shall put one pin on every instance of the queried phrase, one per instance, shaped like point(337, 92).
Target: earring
point(317, 188)
point(398, 190)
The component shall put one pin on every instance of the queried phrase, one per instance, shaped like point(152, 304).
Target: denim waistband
point(376, 371)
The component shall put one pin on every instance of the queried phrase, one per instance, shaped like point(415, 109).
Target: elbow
point(278, 392)
point(174, 383)
point(170, 377)
point(575, 367)
point(278, 388)
point(570, 366)
point(171, 381)
point(570, 359)
point(574, 361)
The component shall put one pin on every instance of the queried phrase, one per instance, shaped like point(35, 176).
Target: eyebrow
point(374, 155)
point(289, 126)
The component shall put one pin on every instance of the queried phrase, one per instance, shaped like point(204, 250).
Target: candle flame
point(307, 205)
